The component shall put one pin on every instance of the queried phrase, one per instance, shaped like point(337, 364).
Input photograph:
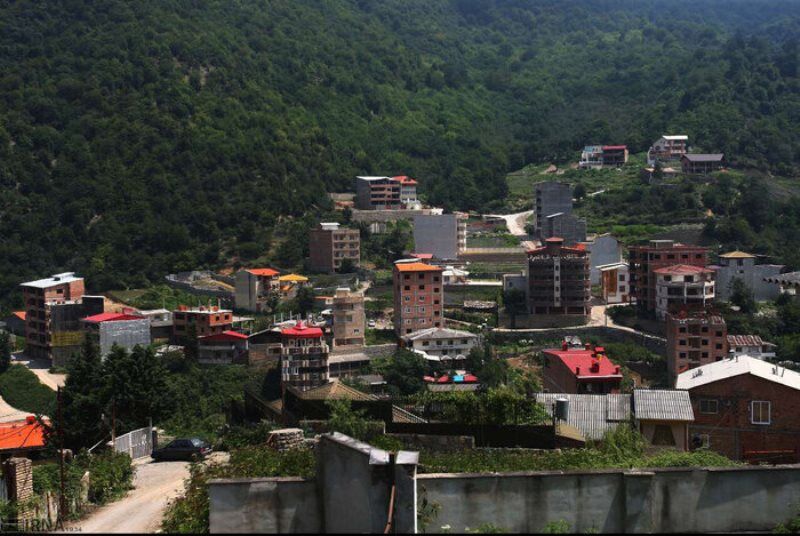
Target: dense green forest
point(138, 138)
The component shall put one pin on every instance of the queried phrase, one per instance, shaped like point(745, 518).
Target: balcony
point(304, 350)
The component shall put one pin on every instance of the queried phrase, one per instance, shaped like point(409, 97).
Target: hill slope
point(137, 139)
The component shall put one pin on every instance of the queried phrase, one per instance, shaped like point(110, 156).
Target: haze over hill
point(141, 138)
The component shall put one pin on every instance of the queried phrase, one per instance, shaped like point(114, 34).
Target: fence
point(137, 443)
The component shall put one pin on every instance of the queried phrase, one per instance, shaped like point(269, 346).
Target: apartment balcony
point(304, 350)
point(305, 363)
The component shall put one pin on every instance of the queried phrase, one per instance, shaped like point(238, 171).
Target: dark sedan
point(189, 450)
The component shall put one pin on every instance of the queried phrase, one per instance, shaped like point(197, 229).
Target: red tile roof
point(225, 336)
point(111, 317)
point(266, 272)
point(747, 340)
point(614, 147)
point(301, 330)
point(19, 314)
point(19, 435)
point(402, 179)
point(580, 362)
point(423, 256)
point(681, 269)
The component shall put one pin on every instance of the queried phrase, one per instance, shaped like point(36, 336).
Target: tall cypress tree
point(82, 399)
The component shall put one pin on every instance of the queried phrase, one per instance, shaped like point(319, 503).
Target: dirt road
point(41, 367)
point(516, 222)
point(141, 511)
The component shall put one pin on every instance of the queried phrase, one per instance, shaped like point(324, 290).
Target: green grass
point(22, 389)
point(159, 296)
point(380, 336)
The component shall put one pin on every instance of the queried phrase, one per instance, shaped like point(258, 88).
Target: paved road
point(41, 367)
point(142, 509)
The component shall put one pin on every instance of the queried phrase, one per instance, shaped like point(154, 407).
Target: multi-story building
point(558, 280)
point(745, 409)
point(378, 193)
point(304, 357)
point(442, 344)
point(54, 308)
point(603, 249)
point(331, 244)
point(742, 266)
point(255, 287)
point(683, 287)
point(644, 260)
point(614, 283)
point(694, 339)
point(201, 321)
point(751, 345)
point(668, 148)
point(408, 191)
point(567, 226)
point(550, 198)
point(615, 155)
point(702, 164)
point(124, 330)
point(444, 236)
point(580, 371)
point(418, 297)
point(349, 319)
point(591, 157)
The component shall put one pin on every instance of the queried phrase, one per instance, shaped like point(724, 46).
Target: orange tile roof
point(18, 435)
point(266, 272)
point(19, 314)
point(417, 267)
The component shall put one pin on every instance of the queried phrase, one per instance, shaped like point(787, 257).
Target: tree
point(579, 192)
point(404, 371)
point(5, 351)
point(347, 267)
point(742, 296)
point(83, 399)
point(305, 300)
point(515, 304)
point(345, 420)
point(135, 386)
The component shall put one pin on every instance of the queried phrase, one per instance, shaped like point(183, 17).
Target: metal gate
point(136, 444)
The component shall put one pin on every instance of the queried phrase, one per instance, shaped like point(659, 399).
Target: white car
point(371, 323)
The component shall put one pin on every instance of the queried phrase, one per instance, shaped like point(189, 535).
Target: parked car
point(187, 449)
point(371, 323)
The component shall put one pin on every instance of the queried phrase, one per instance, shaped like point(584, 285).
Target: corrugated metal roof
point(590, 413)
point(747, 340)
point(662, 405)
point(736, 366)
point(716, 157)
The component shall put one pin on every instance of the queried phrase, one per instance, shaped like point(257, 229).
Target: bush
point(22, 389)
point(111, 475)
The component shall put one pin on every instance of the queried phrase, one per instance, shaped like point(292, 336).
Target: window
point(709, 407)
point(407, 298)
point(406, 276)
point(407, 287)
point(760, 412)
point(682, 355)
point(422, 287)
point(622, 288)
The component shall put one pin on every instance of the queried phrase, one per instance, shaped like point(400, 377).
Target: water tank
point(562, 409)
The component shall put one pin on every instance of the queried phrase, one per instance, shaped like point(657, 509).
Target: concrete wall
point(264, 505)
point(664, 500)
point(605, 249)
point(437, 235)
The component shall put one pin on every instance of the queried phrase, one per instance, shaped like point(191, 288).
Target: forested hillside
point(138, 138)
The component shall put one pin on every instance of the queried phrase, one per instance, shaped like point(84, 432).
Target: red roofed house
point(124, 330)
point(255, 287)
point(615, 155)
point(304, 357)
point(580, 371)
point(20, 437)
point(228, 347)
point(418, 297)
point(683, 287)
point(15, 323)
point(408, 190)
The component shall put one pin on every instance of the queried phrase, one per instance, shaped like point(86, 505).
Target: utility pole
point(62, 499)
point(113, 421)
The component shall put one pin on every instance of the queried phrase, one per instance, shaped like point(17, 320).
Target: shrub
point(22, 389)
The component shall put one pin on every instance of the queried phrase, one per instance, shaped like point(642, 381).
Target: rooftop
point(716, 157)
point(683, 269)
point(676, 137)
point(736, 366)
point(264, 272)
point(111, 317)
point(438, 333)
point(407, 181)
point(24, 434)
point(737, 255)
point(662, 405)
point(302, 330)
point(593, 415)
point(56, 279)
point(293, 278)
point(581, 362)
point(225, 336)
point(614, 147)
point(747, 340)
point(416, 267)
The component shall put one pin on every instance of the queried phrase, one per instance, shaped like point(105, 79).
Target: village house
point(598, 156)
point(702, 164)
point(742, 266)
point(289, 284)
point(643, 260)
point(558, 280)
point(694, 339)
point(683, 287)
point(331, 245)
point(444, 236)
point(15, 323)
point(441, 344)
point(200, 321)
point(550, 198)
point(751, 345)
point(603, 249)
point(255, 287)
point(418, 296)
point(745, 409)
point(124, 330)
point(579, 371)
point(226, 348)
point(668, 148)
point(662, 416)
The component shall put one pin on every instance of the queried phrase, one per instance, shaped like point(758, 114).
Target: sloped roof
point(416, 267)
point(266, 272)
point(24, 434)
point(438, 333)
point(302, 330)
point(583, 360)
point(57, 279)
point(225, 336)
point(736, 366)
point(292, 278)
point(19, 314)
point(737, 255)
point(662, 405)
point(675, 137)
point(593, 415)
point(716, 157)
point(336, 390)
point(111, 317)
point(680, 269)
point(747, 340)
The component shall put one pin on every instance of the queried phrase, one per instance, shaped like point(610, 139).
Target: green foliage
point(379, 336)
point(345, 420)
point(304, 301)
point(189, 513)
point(556, 527)
point(791, 526)
point(742, 296)
point(403, 371)
point(498, 405)
point(22, 389)
point(5, 351)
point(486, 528)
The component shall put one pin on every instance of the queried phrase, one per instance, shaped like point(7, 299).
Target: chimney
point(616, 370)
point(577, 371)
point(564, 346)
point(588, 346)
